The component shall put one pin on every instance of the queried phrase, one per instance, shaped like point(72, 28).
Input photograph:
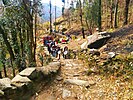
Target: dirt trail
point(71, 69)
point(102, 88)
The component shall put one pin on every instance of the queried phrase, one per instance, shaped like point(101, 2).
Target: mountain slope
point(46, 12)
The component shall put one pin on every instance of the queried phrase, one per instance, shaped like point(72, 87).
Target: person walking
point(59, 53)
point(65, 52)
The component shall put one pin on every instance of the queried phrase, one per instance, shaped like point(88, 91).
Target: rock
point(94, 52)
point(19, 84)
point(31, 73)
point(66, 93)
point(111, 54)
point(5, 83)
point(55, 64)
point(92, 38)
point(75, 75)
point(20, 81)
point(104, 57)
point(54, 67)
point(84, 45)
point(50, 98)
point(90, 71)
point(75, 65)
point(96, 41)
point(76, 82)
point(43, 70)
point(1, 93)
point(59, 78)
point(68, 65)
point(132, 53)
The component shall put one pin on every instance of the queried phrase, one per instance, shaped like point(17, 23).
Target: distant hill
point(46, 10)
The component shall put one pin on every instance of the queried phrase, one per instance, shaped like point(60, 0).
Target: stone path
point(70, 84)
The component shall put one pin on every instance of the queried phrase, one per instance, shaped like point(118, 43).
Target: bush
point(120, 66)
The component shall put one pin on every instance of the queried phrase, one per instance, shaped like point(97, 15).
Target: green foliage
point(77, 5)
point(91, 12)
point(121, 65)
point(47, 59)
point(6, 2)
point(1, 65)
point(2, 54)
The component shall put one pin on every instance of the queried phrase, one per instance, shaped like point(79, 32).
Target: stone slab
point(20, 79)
point(27, 72)
point(5, 83)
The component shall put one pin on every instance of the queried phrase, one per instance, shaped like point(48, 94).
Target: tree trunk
point(126, 12)
point(115, 14)
point(106, 12)
point(69, 20)
point(13, 69)
point(4, 70)
point(31, 44)
point(99, 15)
point(21, 43)
point(34, 58)
point(50, 18)
point(87, 23)
point(81, 19)
point(55, 15)
point(0, 74)
point(16, 49)
point(27, 8)
point(22, 65)
point(3, 59)
point(9, 48)
point(111, 14)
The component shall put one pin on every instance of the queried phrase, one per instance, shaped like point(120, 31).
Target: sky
point(58, 2)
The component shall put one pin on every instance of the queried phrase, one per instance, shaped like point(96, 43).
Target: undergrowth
point(119, 66)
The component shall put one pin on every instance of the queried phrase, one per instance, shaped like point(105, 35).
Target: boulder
point(55, 64)
point(50, 98)
point(111, 54)
point(54, 67)
point(84, 45)
point(5, 83)
point(59, 78)
point(75, 81)
point(1, 93)
point(20, 81)
point(94, 52)
point(132, 53)
point(43, 70)
point(104, 56)
point(66, 93)
point(79, 82)
point(31, 73)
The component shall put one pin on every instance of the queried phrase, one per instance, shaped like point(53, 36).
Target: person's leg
point(65, 56)
point(59, 56)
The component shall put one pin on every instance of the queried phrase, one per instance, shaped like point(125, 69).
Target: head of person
point(97, 29)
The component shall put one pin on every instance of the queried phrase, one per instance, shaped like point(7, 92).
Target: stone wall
point(27, 82)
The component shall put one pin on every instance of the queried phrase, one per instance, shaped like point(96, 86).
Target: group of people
point(53, 47)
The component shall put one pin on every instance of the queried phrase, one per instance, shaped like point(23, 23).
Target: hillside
point(86, 54)
point(108, 78)
point(46, 10)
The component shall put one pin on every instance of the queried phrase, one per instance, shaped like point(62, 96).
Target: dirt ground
point(103, 88)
